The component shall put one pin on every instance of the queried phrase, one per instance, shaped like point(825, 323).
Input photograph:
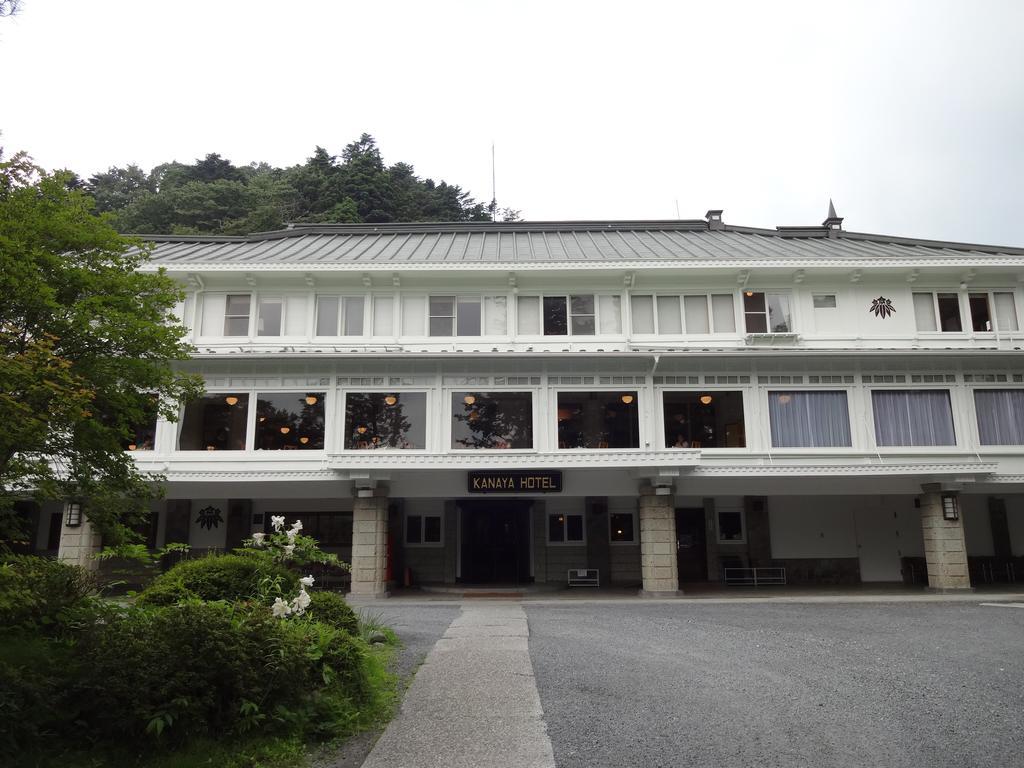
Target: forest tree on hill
point(213, 196)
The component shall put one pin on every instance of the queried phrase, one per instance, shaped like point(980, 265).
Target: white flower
point(301, 602)
point(277, 521)
point(257, 539)
point(280, 608)
point(297, 526)
point(307, 581)
point(291, 536)
point(289, 550)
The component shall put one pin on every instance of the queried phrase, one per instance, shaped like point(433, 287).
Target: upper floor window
point(289, 421)
point(236, 314)
point(339, 315)
point(809, 419)
point(938, 312)
point(492, 420)
point(232, 315)
point(270, 316)
point(454, 315)
point(992, 311)
point(1000, 416)
point(571, 315)
point(674, 314)
point(913, 417)
point(215, 423)
point(766, 312)
point(598, 420)
point(704, 420)
point(385, 420)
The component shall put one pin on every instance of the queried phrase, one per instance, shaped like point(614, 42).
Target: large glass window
point(809, 419)
point(913, 417)
point(621, 528)
point(339, 315)
point(423, 529)
point(492, 420)
point(598, 420)
point(565, 529)
point(236, 314)
point(289, 421)
point(704, 420)
point(215, 423)
point(1000, 416)
point(766, 312)
point(385, 420)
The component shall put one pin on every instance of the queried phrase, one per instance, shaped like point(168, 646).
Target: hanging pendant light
point(627, 399)
point(469, 399)
point(361, 429)
point(311, 399)
point(231, 400)
point(390, 400)
point(706, 399)
point(285, 430)
point(303, 439)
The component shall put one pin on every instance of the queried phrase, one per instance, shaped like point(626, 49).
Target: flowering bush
point(291, 546)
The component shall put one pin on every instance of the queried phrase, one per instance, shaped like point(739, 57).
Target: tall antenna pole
point(494, 187)
point(677, 209)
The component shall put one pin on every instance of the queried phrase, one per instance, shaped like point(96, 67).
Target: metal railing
point(753, 577)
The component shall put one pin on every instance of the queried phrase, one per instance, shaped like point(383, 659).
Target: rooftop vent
point(714, 218)
point(832, 222)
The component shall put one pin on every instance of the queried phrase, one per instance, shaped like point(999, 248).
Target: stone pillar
point(945, 549)
point(369, 546)
point(79, 543)
point(658, 544)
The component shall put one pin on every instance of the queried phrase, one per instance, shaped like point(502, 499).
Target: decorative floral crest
point(209, 518)
point(882, 307)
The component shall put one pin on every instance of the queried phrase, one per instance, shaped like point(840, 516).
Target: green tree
point(88, 339)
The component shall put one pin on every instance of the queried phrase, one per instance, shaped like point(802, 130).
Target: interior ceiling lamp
point(785, 399)
point(706, 399)
point(311, 399)
point(285, 430)
point(361, 429)
point(211, 447)
point(390, 399)
point(262, 419)
point(627, 399)
point(303, 439)
point(564, 414)
point(748, 293)
point(469, 399)
point(132, 446)
point(231, 400)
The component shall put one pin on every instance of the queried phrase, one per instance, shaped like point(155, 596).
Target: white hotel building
point(656, 400)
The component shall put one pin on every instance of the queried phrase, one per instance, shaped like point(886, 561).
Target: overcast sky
point(910, 115)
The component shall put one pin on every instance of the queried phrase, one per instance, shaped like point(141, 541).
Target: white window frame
point(833, 296)
point(455, 297)
point(567, 296)
point(952, 388)
point(581, 542)
point(934, 293)
point(340, 320)
point(709, 297)
point(380, 390)
point(766, 292)
point(743, 526)
point(765, 390)
point(253, 300)
point(636, 531)
point(747, 394)
point(421, 544)
point(641, 390)
point(446, 394)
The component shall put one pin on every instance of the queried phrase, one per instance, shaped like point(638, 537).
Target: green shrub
point(330, 608)
point(36, 592)
point(217, 577)
point(32, 680)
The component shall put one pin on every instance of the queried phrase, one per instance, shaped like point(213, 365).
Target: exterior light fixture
point(361, 429)
point(73, 519)
point(311, 399)
point(627, 399)
point(950, 507)
point(469, 399)
point(285, 430)
point(706, 399)
point(303, 439)
point(231, 400)
point(390, 400)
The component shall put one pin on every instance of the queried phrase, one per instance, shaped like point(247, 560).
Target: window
point(268, 322)
point(454, 315)
point(1000, 416)
point(580, 315)
point(422, 530)
point(671, 315)
point(704, 420)
point(730, 525)
point(824, 301)
point(913, 417)
point(944, 306)
point(289, 421)
point(339, 315)
point(484, 420)
point(981, 317)
point(809, 419)
point(598, 420)
point(385, 420)
point(621, 528)
point(215, 423)
point(236, 314)
point(766, 312)
point(1006, 313)
point(383, 316)
point(143, 433)
point(565, 529)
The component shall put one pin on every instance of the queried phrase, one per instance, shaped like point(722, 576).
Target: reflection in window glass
point(598, 420)
point(385, 420)
point(143, 433)
point(556, 318)
point(468, 316)
point(332, 530)
point(704, 420)
point(621, 526)
point(215, 423)
point(730, 526)
point(492, 420)
point(564, 529)
point(583, 316)
point(949, 312)
point(236, 315)
point(289, 421)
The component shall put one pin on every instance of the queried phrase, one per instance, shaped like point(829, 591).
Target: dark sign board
point(516, 481)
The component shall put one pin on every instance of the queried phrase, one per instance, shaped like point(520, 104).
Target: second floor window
point(455, 316)
point(339, 315)
point(485, 420)
point(569, 315)
point(236, 314)
point(809, 419)
point(674, 314)
point(766, 312)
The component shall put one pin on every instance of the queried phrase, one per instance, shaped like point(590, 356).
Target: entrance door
point(691, 545)
point(495, 541)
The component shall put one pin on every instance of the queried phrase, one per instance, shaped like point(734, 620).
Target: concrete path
point(474, 702)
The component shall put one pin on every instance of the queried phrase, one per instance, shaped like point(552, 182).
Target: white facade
point(849, 380)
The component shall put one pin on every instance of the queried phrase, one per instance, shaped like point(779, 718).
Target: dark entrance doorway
point(495, 541)
point(691, 545)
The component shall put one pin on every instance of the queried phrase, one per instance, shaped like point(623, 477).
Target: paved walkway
point(474, 702)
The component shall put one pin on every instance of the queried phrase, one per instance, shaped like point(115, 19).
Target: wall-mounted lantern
point(950, 507)
point(73, 518)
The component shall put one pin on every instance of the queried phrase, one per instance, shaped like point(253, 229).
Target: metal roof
point(388, 246)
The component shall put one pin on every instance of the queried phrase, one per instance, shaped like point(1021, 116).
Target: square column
point(945, 549)
point(658, 544)
point(369, 546)
point(79, 543)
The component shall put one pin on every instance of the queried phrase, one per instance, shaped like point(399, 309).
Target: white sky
point(909, 114)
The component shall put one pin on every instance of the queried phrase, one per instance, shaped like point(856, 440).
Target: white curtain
point(495, 316)
point(669, 318)
point(643, 314)
point(696, 308)
point(1006, 313)
point(414, 315)
point(383, 316)
point(529, 315)
point(610, 314)
point(924, 312)
point(809, 419)
point(1000, 416)
point(908, 417)
point(723, 313)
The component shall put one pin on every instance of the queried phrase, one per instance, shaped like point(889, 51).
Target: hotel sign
point(525, 481)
